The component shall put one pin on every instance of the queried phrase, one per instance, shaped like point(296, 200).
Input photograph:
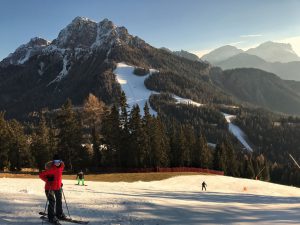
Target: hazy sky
point(192, 25)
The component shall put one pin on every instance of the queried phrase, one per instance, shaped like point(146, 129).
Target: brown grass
point(113, 177)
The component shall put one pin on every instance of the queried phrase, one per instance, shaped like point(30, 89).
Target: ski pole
point(45, 209)
point(65, 202)
point(46, 203)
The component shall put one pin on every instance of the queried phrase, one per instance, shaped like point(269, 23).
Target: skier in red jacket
point(53, 178)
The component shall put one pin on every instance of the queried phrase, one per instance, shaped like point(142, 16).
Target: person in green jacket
point(80, 178)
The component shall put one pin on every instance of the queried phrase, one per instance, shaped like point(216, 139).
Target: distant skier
point(80, 177)
point(53, 178)
point(204, 185)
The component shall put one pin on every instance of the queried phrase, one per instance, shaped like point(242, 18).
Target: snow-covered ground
point(133, 86)
point(135, 90)
point(236, 131)
point(177, 201)
point(137, 93)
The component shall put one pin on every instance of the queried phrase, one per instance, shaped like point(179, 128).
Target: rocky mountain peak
point(275, 52)
point(37, 41)
point(78, 39)
point(25, 51)
point(80, 33)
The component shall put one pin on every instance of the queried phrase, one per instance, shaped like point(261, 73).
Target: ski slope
point(175, 201)
point(236, 131)
point(137, 93)
point(135, 90)
point(133, 86)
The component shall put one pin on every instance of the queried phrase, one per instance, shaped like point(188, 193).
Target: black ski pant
point(55, 202)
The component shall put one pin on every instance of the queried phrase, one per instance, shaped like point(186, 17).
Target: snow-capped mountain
point(78, 56)
point(34, 47)
point(268, 51)
point(79, 38)
point(272, 57)
point(274, 52)
point(221, 54)
point(79, 61)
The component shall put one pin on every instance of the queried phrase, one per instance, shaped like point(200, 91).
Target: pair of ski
point(45, 218)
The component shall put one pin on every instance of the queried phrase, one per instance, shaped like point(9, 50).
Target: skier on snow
point(53, 178)
point(80, 177)
point(204, 185)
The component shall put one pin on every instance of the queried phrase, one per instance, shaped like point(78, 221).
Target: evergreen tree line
point(275, 137)
point(96, 136)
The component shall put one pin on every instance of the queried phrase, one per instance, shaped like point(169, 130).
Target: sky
point(197, 26)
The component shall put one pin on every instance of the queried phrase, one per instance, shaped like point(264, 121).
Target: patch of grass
point(112, 177)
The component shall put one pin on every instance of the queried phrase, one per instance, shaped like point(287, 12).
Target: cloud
point(294, 41)
point(251, 35)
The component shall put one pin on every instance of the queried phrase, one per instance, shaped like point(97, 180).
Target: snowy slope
point(137, 93)
point(236, 131)
point(135, 90)
point(176, 201)
point(133, 86)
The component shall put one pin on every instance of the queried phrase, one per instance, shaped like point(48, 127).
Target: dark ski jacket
point(52, 176)
point(80, 175)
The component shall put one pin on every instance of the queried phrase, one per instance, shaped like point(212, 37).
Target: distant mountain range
point(261, 88)
point(81, 60)
point(273, 57)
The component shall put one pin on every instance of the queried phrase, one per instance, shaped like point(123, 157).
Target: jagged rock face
point(81, 33)
point(79, 39)
point(78, 62)
point(24, 52)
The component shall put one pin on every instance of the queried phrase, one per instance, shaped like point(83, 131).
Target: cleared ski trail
point(177, 200)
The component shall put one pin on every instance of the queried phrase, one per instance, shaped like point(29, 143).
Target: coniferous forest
point(97, 136)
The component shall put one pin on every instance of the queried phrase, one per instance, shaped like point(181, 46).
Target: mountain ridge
point(268, 51)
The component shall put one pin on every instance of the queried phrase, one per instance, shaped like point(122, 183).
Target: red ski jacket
point(52, 176)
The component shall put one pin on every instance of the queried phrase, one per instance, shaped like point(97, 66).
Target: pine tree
point(111, 130)
point(40, 145)
point(174, 145)
point(231, 162)
point(19, 154)
point(4, 142)
point(148, 123)
point(182, 148)
point(124, 134)
point(70, 137)
point(220, 157)
point(161, 145)
point(189, 144)
point(205, 157)
point(156, 140)
point(248, 170)
point(138, 142)
point(93, 110)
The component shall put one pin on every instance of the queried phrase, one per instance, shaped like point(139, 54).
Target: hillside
point(175, 201)
point(259, 88)
point(286, 71)
point(81, 60)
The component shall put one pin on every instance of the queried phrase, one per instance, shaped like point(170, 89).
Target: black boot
point(62, 216)
point(54, 221)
